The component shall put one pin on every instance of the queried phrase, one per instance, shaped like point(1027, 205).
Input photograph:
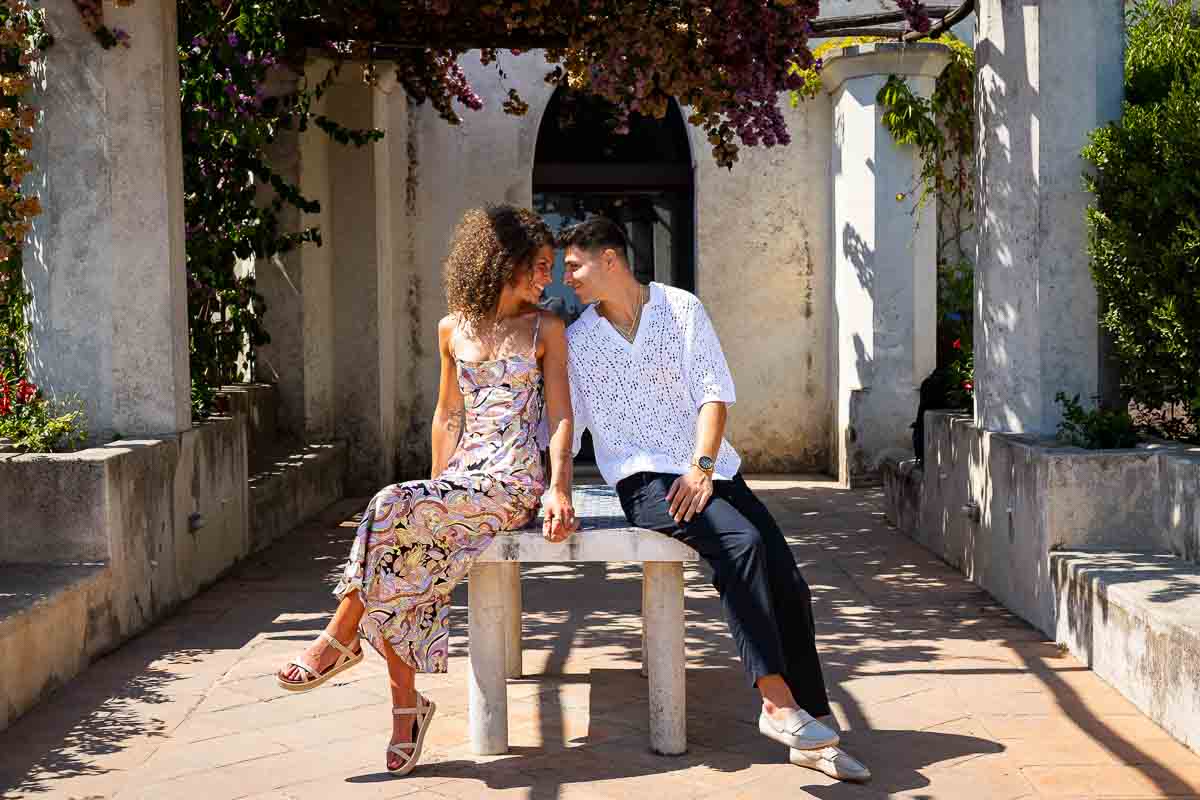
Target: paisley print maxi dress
point(418, 539)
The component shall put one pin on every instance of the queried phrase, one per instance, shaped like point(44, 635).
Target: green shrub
point(1144, 227)
point(1100, 429)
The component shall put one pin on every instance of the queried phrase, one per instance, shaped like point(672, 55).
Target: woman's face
point(530, 282)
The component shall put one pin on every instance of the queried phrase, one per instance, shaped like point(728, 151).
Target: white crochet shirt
point(641, 401)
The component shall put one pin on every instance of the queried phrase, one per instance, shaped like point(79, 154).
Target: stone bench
point(494, 608)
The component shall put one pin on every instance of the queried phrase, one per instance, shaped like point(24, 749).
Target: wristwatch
point(706, 465)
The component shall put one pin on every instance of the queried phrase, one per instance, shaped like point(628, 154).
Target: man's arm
point(691, 491)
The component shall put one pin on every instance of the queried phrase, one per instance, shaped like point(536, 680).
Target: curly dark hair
point(490, 246)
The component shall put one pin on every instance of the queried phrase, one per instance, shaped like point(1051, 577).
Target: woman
point(418, 539)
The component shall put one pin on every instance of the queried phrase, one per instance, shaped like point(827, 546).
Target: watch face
point(705, 463)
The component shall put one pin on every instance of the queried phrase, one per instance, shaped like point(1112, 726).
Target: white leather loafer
point(833, 761)
point(797, 729)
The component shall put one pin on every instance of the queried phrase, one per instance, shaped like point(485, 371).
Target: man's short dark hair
point(595, 233)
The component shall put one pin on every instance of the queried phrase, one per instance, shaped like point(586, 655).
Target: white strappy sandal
point(424, 713)
point(345, 660)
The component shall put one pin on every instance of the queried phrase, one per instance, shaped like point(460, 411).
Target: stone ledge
point(258, 404)
point(291, 484)
point(54, 619)
point(1134, 618)
point(926, 59)
point(164, 516)
point(902, 478)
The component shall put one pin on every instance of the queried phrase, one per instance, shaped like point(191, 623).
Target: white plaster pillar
point(105, 262)
point(364, 315)
point(1048, 73)
point(298, 286)
point(884, 260)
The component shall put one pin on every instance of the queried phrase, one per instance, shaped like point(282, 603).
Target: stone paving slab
point(943, 693)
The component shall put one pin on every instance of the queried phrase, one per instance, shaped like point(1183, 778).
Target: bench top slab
point(603, 535)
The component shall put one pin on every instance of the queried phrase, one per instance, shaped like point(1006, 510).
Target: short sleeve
point(708, 376)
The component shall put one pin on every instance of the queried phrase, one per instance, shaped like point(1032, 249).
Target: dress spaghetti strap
point(537, 328)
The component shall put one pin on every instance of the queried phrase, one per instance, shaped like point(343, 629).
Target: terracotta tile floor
point(940, 691)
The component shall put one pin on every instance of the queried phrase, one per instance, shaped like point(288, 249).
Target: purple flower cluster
point(915, 14)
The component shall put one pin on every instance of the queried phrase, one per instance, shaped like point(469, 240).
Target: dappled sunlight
point(934, 685)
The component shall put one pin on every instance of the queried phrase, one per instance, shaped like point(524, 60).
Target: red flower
point(26, 391)
point(970, 387)
point(956, 344)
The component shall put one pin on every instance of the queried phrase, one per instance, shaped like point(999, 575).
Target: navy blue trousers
point(767, 603)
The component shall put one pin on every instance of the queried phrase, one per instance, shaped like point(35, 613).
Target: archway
point(642, 179)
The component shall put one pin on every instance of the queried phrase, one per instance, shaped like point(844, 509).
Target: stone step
point(292, 482)
point(53, 622)
point(1134, 619)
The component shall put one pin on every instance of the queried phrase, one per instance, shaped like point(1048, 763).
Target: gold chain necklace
point(631, 333)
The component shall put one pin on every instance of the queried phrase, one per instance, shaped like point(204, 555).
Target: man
point(649, 380)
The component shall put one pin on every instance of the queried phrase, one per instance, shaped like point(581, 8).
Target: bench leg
point(645, 671)
point(488, 692)
point(512, 618)
point(662, 594)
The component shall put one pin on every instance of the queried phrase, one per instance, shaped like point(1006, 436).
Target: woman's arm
point(448, 416)
point(559, 510)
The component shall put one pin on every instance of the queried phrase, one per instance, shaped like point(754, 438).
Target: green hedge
point(1145, 224)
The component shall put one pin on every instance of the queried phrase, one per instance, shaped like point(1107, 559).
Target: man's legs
point(792, 602)
point(740, 555)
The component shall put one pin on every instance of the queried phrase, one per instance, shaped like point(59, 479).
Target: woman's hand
point(558, 515)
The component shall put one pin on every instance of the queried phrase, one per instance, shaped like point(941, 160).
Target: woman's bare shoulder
point(551, 323)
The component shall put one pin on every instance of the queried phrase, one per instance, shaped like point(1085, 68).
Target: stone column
point(106, 260)
point(884, 260)
point(1048, 73)
point(364, 301)
point(298, 286)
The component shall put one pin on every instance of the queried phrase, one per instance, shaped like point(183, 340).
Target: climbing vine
point(231, 121)
point(942, 129)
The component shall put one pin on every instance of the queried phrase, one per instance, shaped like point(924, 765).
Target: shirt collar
point(591, 317)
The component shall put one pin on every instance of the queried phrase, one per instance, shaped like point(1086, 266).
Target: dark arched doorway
point(642, 179)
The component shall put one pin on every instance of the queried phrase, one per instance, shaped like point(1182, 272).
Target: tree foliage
point(1144, 226)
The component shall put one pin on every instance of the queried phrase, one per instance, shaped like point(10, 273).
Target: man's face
point(586, 272)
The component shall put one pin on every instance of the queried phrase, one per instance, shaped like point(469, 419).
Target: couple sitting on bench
point(643, 370)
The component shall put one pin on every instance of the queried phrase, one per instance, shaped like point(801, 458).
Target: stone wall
point(1097, 549)
point(762, 271)
point(764, 251)
point(166, 515)
point(761, 260)
point(99, 544)
point(996, 505)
